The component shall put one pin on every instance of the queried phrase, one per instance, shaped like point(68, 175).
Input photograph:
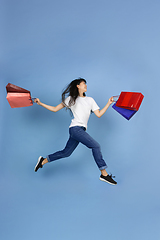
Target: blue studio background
point(114, 45)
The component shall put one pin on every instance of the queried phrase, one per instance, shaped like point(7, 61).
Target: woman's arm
point(50, 108)
point(99, 113)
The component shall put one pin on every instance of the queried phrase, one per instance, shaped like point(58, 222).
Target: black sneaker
point(39, 164)
point(108, 179)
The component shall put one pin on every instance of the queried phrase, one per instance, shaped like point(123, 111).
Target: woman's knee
point(66, 153)
point(96, 145)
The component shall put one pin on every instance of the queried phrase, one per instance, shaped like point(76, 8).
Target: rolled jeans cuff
point(104, 167)
point(48, 158)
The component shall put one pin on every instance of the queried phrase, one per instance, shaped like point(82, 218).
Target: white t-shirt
point(81, 110)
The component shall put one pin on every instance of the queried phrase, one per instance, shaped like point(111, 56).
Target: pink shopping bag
point(18, 97)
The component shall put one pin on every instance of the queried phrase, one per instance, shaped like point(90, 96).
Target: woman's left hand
point(111, 100)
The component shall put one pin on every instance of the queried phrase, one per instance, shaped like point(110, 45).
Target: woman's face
point(82, 87)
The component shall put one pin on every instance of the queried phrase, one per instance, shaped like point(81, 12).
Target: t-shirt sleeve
point(94, 105)
point(66, 101)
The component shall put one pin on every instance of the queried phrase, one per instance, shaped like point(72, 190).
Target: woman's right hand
point(37, 101)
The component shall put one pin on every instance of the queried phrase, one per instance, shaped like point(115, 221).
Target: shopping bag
point(130, 100)
point(13, 88)
point(18, 97)
point(126, 113)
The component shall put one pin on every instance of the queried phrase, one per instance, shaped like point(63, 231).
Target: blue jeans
point(79, 135)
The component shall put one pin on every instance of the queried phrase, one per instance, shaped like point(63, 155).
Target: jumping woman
point(74, 98)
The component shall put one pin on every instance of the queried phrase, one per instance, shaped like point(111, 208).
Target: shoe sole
point(107, 181)
point(37, 163)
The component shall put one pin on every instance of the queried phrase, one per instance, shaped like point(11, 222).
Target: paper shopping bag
point(130, 100)
point(18, 97)
point(13, 88)
point(126, 113)
point(17, 100)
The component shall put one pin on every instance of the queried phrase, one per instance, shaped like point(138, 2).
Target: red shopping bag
point(130, 100)
point(18, 97)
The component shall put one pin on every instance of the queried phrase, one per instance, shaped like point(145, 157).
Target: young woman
point(81, 107)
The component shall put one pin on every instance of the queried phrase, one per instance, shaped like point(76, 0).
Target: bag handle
point(115, 100)
point(33, 98)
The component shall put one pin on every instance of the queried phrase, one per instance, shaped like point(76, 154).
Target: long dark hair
point(72, 91)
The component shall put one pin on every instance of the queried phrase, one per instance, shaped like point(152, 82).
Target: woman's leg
point(44, 161)
point(80, 135)
point(104, 172)
point(73, 143)
point(66, 152)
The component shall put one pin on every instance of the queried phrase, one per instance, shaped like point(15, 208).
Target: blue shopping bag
point(126, 113)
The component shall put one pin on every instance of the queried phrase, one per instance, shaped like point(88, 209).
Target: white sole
point(106, 181)
point(38, 162)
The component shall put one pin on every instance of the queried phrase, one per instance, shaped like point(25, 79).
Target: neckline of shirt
point(82, 97)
